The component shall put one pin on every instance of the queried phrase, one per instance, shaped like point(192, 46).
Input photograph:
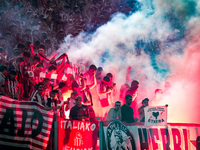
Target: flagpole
point(101, 135)
point(55, 133)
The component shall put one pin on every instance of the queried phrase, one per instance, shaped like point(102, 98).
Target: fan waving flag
point(24, 124)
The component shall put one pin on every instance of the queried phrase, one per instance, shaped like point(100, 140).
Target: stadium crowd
point(31, 32)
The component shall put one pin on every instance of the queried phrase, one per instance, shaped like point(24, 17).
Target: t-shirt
point(78, 113)
point(51, 102)
point(127, 114)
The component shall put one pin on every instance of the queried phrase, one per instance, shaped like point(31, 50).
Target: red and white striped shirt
point(36, 97)
point(11, 87)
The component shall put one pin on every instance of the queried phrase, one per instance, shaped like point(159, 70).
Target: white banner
point(155, 115)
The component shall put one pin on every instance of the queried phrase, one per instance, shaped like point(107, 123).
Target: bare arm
point(95, 81)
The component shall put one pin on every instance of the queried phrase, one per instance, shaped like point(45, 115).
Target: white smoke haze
point(114, 42)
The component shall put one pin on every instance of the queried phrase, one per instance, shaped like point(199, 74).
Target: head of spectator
point(13, 28)
point(109, 75)
point(27, 31)
point(158, 91)
point(21, 47)
point(36, 33)
point(12, 75)
point(42, 46)
point(4, 69)
point(60, 36)
point(128, 99)
point(134, 85)
point(25, 38)
point(44, 36)
point(8, 36)
point(106, 80)
point(92, 69)
point(3, 51)
point(47, 43)
point(145, 102)
point(16, 52)
point(78, 100)
point(36, 44)
point(26, 56)
point(19, 61)
point(52, 69)
point(62, 86)
point(74, 95)
point(39, 68)
point(40, 88)
point(99, 69)
point(2, 41)
point(41, 51)
point(46, 82)
point(54, 94)
point(117, 105)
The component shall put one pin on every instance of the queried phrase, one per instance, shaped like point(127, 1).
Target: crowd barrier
point(27, 125)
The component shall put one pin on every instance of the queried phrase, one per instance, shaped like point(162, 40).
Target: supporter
point(53, 102)
point(21, 48)
point(145, 102)
point(112, 85)
point(76, 87)
point(17, 64)
point(104, 92)
point(47, 87)
point(2, 42)
point(12, 85)
point(3, 74)
point(79, 111)
point(26, 80)
point(99, 75)
point(114, 113)
point(104, 95)
point(71, 101)
point(90, 84)
point(133, 89)
point(3, 54)
point(127, 111)
point(90, 74)
point(38, 94)
point(62, 89)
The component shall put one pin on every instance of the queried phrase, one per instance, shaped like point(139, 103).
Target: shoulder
point(123, 106)
point(74, 108)
point(111, 109)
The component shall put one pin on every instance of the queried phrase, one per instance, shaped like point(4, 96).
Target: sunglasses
point(118, 105)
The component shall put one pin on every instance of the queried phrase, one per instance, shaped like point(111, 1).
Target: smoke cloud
point(160, 42)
